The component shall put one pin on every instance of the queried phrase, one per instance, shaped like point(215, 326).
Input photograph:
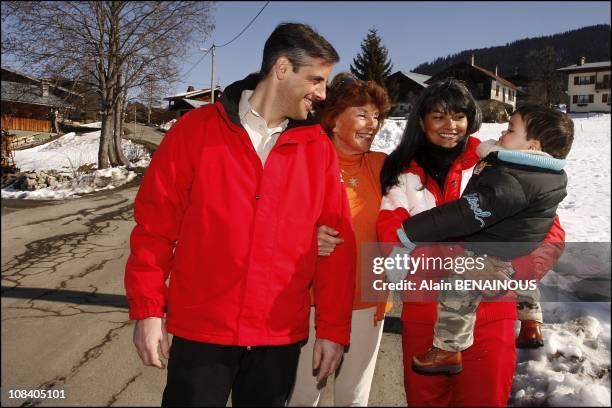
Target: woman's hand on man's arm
point(327, 239)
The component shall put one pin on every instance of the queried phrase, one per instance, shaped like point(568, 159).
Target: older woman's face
point(355, 129)
point(445, 129)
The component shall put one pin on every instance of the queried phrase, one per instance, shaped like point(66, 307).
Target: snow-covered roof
point(190, 94)
point(418, 78)
point(29, 93)
point(586, 66)
point(195, 103)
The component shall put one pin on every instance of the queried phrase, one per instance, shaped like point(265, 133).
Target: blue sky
point(414, 32)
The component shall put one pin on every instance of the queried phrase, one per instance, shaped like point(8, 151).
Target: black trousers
point(203, 374)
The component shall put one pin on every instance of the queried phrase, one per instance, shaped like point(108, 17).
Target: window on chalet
point(480, 87)
point(605, 98)
point(584, 80)
point(497, 90)
point(583, 99)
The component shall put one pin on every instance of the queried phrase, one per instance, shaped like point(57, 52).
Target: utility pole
point(212, 72)
point(212, 75)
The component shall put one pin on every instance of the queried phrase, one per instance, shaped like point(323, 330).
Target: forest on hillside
point(593, 42)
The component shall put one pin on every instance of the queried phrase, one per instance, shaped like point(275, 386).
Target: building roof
point(192, 94)
point(36, 80)
point(31, 94)
point(418, 78)
point(481, 69)
point(586, 66)
point(496, 77)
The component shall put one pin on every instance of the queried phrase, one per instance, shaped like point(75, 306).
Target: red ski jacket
point(408, 198)
point(238, 239)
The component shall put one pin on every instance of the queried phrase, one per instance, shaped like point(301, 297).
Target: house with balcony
point(588, 86)
point(485, 85)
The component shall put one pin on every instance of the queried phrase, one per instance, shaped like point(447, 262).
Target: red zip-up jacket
point(236, 238)
point(405, 199)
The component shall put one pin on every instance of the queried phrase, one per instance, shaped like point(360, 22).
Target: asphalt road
point(65, 324)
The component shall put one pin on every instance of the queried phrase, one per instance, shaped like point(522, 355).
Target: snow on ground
point(573, 369)
point(96, 125)
point(66, 155)
point(164, 127)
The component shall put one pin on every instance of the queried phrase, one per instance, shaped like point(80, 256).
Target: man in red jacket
point(228, 210)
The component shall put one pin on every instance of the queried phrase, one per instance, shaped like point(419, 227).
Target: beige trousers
point(353, 381)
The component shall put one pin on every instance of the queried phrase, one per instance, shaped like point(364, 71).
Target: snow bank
point(96, 125)
point(105, 179)
point(573, 369)
point(164, 127)
point(69, 155)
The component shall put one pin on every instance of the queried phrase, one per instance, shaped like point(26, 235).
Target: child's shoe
point(530, 336)
point(438, 361)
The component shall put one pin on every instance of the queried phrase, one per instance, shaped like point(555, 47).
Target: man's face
point(300, 90)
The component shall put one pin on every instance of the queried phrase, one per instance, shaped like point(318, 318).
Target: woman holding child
point(431, 166)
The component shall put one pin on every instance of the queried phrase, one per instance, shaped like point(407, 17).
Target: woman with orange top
point(351, 115)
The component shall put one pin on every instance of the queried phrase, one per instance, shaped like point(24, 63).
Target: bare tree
point(119, 44)
point(152, 92)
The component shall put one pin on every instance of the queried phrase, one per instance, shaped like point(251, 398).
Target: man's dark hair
point(552, 128)
point(296, 42)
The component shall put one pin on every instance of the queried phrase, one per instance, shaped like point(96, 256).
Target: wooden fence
point(15, 123)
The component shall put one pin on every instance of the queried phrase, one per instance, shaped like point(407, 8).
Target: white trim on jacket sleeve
point(465, 177)
point(406, 194)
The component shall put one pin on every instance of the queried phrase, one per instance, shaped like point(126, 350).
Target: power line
point(245, 28)
point(197, 63)
point(227, 43)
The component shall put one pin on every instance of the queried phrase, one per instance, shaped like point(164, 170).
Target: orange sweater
point(361, 175)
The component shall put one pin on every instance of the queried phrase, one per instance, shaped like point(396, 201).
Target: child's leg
point(530, 315)
point(454, 329)
point(528, 305)
point(453, 333)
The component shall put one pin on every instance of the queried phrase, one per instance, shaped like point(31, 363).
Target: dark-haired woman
point(431, 166)
point(351, 115)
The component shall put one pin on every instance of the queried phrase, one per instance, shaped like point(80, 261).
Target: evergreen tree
point(373, 63)
point(547, 84)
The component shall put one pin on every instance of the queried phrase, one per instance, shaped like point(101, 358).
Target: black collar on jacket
point(230, 101)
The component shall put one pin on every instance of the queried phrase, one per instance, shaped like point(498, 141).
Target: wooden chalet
point(32, 104)
point(484, 84)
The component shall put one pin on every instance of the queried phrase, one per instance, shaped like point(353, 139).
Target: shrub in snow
point(495, 111)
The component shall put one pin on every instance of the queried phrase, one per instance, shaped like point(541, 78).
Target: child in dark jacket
point(505, 211)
